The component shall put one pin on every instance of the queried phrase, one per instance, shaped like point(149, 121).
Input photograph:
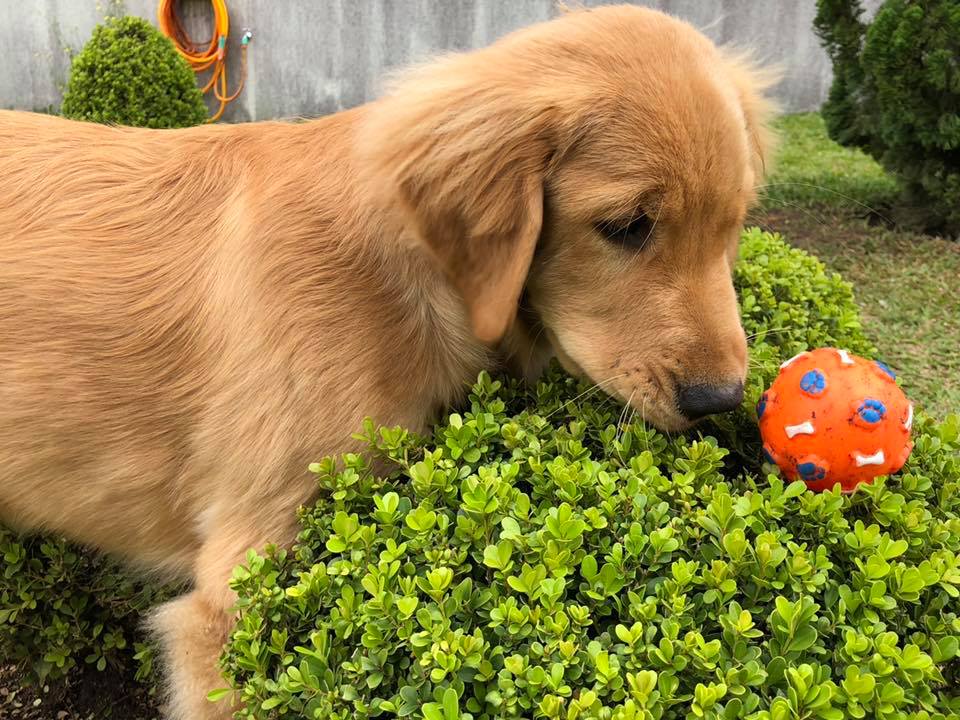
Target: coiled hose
point(204, 56)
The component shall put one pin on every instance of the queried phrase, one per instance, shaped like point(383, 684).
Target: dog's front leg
point(193, 629)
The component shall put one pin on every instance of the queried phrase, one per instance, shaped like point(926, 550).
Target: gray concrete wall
point(312, 57)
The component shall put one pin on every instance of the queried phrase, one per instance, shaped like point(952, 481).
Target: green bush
point(130, 74)
point(540, 557)
point(61, 606)
point(896, 94)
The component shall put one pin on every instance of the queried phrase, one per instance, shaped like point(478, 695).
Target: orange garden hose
point(203, 56)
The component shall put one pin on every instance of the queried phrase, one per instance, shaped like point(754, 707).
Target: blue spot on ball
point(813, 382)
point(872, 411)
point(761, 406)
point(810, 472)
point(886, 369)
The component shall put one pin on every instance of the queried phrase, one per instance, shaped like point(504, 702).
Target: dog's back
point(101, 321)
point(173, 306)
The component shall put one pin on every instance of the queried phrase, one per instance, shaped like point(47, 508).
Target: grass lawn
point(829, 200)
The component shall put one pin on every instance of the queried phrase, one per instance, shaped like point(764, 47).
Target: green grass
point(811, 169)
point(827, 199)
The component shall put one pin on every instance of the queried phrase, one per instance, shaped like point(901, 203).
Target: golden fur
point(189, 317)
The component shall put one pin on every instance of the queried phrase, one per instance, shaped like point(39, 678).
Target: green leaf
point(498, 556)
point(803, 639)
point(407, 605)
point(219, 694)
point(451, 707)
point(432, 711)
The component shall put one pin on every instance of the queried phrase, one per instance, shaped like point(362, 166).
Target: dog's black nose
point(697, 401)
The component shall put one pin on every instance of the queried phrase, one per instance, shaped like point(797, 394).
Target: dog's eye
point(635, 233)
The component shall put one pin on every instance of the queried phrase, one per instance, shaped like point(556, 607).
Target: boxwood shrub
point(543, 555)
point(62, 606)
point(128, 73)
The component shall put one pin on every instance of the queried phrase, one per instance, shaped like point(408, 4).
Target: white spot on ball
point(845, 357)
point(908, 423)
point(787, 363)
point(804, 428)
point(876, 459)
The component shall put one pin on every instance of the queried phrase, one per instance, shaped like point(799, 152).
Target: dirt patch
point(91, 695)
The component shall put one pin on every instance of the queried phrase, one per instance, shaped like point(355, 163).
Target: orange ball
point(831, 417)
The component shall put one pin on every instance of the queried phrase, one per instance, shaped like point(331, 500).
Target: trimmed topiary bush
point(540, 555)
point(128, 73)
point(896, 94)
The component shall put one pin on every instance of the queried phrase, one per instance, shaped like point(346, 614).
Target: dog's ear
point(461, 149)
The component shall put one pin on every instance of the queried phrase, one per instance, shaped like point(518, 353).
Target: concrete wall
point(311, 57)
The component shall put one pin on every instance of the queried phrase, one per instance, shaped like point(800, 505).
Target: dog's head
point(597, 169)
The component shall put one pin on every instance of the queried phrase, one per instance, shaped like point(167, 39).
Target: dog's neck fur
point(386, 278)
point(440, 357)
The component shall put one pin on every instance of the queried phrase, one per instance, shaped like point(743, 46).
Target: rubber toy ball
point(832, 417)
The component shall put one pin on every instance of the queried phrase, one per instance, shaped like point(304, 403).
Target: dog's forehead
point(623, 171)
point(697, 142)
point(663, 120)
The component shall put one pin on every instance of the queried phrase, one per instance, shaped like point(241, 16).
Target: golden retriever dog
point(189, 317)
